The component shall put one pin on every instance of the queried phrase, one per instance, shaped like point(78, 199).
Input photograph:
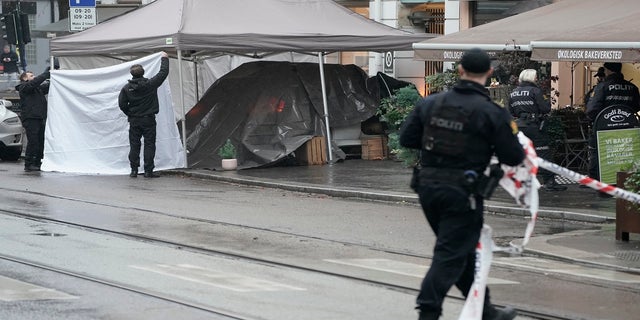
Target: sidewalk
point(388, 180)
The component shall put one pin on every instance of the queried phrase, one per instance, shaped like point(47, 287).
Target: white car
point(11, 133)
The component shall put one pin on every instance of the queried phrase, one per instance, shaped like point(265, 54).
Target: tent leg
point(326, 107)
point(184, 114)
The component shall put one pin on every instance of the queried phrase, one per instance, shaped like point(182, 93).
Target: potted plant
point(228, 154)
point(627, 213)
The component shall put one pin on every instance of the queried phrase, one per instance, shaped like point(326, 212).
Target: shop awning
point(566, 20)
point(614, 40)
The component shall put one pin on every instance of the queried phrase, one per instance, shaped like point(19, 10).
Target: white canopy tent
point(206, 28)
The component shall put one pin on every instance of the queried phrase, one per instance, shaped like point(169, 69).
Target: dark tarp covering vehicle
point(269, 109)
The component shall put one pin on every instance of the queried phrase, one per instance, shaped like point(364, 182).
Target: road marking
point(571, 269)
point(229, 281)
point(398, 267)
point(16, 290)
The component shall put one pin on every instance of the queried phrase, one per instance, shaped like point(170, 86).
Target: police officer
point(457, 132)
point(614, 90)
point(528, 106)
point(138, 99)
point(599, 78)
point(33, 90)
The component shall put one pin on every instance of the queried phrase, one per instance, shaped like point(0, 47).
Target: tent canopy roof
point(237, 26)
point(562, 21)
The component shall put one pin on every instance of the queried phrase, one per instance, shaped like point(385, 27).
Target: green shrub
point(394, 109)
point(227, 151)
point(632, 182)
point(441, 81)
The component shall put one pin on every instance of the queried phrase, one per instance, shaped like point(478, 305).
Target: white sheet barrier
point(87, 133)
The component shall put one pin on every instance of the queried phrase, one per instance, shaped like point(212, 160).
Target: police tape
point(589, 182)
point(474, 304)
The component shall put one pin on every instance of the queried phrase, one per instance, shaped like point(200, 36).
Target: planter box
point(627, 217)
point(312, 152)
point(375, 148)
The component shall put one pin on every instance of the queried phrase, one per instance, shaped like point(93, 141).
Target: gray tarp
point(237, 26)
point(563, 21)
point(269, 109)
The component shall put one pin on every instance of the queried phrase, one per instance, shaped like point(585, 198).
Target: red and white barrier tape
point(590, 182)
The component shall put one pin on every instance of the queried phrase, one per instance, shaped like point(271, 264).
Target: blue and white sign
point(82, 18)
point(82, 3)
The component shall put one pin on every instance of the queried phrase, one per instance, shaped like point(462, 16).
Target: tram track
point(210, 309)
point(129, 288)
point(211, 252)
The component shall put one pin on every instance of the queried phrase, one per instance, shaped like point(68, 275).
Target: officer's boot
point(31, 164)
point(508, 313)
point(552, 185)
point(426, 315)
point(27, 163)
point(134, 173)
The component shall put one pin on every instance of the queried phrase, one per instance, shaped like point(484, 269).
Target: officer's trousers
point(142, 127)
point(34, 129)
point(457, 228)
point(541, 142)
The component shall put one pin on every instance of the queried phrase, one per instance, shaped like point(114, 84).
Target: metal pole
point(324, 102)
point(184, 114)
point(23, 55)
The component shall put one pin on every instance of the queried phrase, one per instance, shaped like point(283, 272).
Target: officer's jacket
point(527, 99)
point(613, 90)
point(33, 102)
point(139, 97)
point(489, 130)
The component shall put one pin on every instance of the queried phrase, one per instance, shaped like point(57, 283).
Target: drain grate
point(627, 255)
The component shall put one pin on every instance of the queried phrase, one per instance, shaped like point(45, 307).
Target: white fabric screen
point(87, 133)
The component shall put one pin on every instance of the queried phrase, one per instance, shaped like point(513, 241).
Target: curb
point(492, 207)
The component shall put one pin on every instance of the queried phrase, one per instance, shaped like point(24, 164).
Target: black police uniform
point(10, 66)
point(614, 90)
point(138, 99)
point(33, 114)
point(458, 136)
point(528, 106)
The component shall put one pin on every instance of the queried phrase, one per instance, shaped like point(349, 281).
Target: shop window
point(492, 10)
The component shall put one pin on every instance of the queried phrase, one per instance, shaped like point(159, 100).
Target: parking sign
point(82, 3)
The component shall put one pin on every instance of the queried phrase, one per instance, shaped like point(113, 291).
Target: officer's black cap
point(613, 66)
point(475, 61)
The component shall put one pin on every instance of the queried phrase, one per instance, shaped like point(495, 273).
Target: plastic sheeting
point(269, 109)
point(197, 77)
point(87, 133)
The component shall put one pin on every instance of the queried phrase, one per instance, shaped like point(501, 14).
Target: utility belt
point(526, 119)
point(469, 180)
point(529, 117)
